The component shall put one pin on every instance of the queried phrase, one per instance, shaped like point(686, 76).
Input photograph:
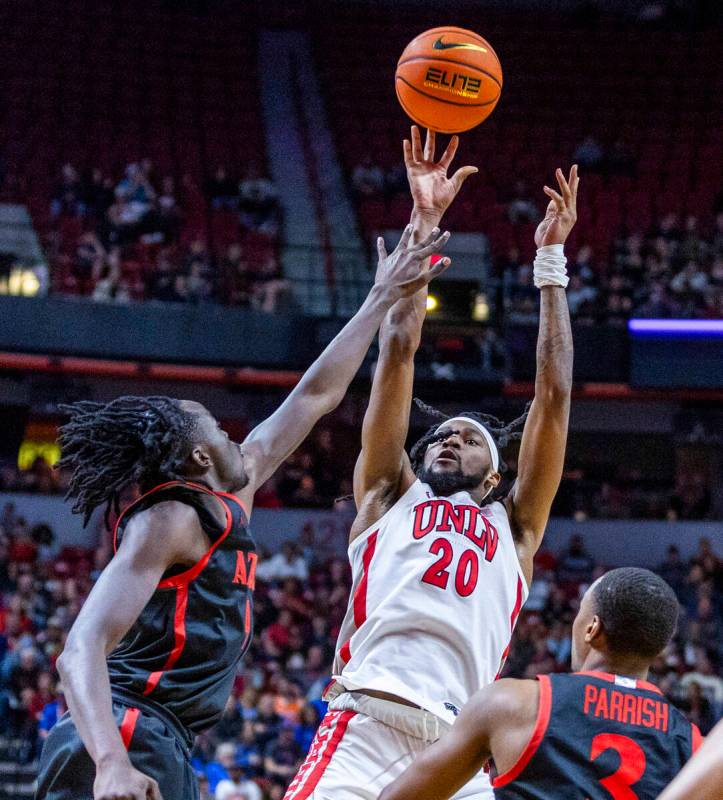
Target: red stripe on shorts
point(128, 725)
point(326, 741)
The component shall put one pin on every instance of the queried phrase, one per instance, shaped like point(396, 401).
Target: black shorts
point(156, 746)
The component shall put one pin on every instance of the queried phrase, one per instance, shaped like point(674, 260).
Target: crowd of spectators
point(318, 476)
point(301, 597)
point(148, 237)
point(675, 270)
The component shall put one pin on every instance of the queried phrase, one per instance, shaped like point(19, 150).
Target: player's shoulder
point(506, 699)
point(168, 526)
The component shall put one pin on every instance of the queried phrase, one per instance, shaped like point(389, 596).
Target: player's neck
point(616, 665)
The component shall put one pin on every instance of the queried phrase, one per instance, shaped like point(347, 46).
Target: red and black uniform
point(599, 737)
point(172, 673)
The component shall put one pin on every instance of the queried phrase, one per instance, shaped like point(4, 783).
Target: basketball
point(449, 79)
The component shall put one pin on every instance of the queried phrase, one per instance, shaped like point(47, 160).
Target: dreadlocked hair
point(131, 440)
point(501, 433)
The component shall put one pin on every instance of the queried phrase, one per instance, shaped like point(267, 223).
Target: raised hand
point(402, 273)
point(432, 191)
point(561, 213)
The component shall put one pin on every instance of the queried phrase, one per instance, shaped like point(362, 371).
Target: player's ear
point(594, 629)
point(200, 458)
point(491, 482)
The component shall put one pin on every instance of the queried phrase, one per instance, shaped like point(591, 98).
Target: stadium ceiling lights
point(681, 327)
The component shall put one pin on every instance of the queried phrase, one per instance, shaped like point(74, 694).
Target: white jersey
point(437, 588)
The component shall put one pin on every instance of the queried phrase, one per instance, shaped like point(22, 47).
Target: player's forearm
point(329, 376)
point(86, 685)
point(553, 380)
point(402, 327)
point(702, 776)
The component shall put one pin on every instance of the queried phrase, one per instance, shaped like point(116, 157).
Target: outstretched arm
point(542, 451)
point(324, 384)
point(383, 472)
point(498, 719)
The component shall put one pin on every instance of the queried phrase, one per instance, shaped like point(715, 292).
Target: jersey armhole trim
point(696, 738)
point(184, 578)
point(377, 526)
point(538, 734)
point(135, 503)
point(236, 500)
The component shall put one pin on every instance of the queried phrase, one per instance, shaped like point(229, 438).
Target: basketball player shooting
point(440, 569)
point(153, 653)
point(602, 732)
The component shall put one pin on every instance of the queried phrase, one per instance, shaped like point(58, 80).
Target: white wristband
point(549, 266)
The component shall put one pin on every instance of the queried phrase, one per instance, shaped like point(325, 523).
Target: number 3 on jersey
point(632, 764)
point(466, 572)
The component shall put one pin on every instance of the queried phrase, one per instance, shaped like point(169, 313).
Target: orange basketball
point(449, 79)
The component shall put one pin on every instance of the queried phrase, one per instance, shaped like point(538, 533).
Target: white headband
point(494, 453)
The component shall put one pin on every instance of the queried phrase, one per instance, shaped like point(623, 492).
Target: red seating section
point(98, 83)
point(653, 89)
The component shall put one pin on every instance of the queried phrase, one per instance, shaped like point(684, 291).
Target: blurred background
point(189, 195)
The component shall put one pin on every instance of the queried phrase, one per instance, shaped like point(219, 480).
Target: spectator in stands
point(110, 286)
point(575, 566)
point(135, 188)
point(237, 785)
point(289, 563)
point(99, 193)
point(691, 497)
point(494, 355)
point(68, 194)
point(282, 756)
point(589, 155)
point(522, 206)
point(238, 280)
point(258, 203)
point(367, 178)
point(222, 189)
point(167, 214)
point(270, 291)
point(673, 570)
point(161, 286)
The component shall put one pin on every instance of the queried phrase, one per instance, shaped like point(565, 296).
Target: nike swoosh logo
point(440, 45)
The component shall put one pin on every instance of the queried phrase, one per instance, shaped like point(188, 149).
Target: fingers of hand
point(434, 233)
point(416, 144)
point(461, 175)
point(381, 249)
point(434, 246)
point(574, 181)
point(441, 266)
point(556, 198)
point(406, 236)
point(564, 186)
point(429, 146)
point(407, 147)
point(449, 153)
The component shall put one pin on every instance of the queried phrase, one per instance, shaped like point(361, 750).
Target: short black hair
point(638, 611)
point(502, 434)
point(131, 440)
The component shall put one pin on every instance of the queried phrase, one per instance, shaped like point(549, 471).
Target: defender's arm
point(324, 384)
point(498, 718)
point(542, 451)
